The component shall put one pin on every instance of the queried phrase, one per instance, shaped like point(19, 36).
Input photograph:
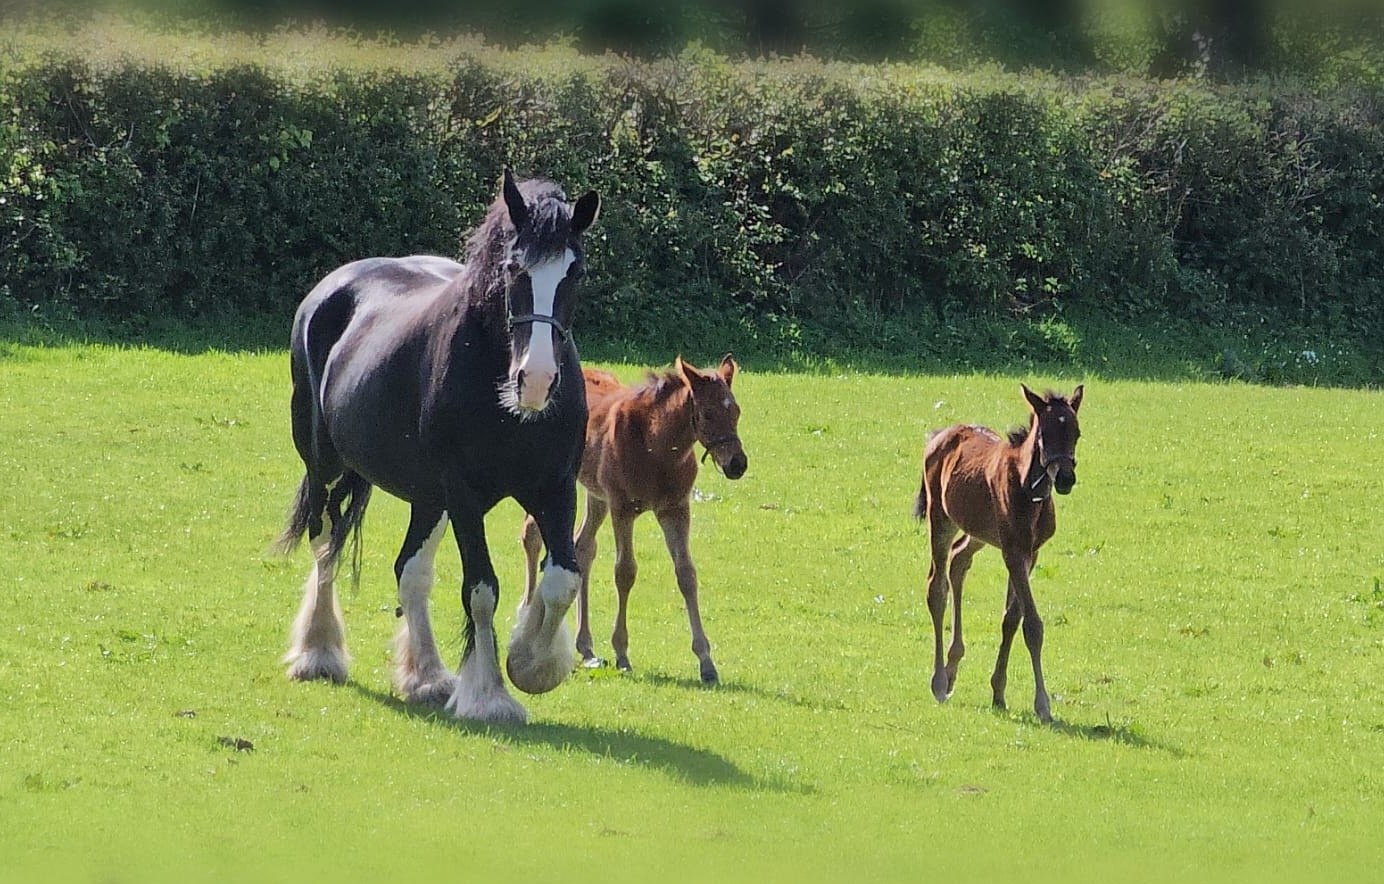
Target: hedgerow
point(180, 176)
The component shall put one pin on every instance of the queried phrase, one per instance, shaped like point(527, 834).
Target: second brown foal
point(640, 457)
point(996, 492)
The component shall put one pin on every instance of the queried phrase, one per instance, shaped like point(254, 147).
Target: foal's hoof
point(709, 675)
point(941, 687)
point(593, 663)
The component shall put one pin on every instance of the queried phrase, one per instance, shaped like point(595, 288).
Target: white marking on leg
point(317, 640)
point(480, 692)
point(419, 672)
point(541, 650)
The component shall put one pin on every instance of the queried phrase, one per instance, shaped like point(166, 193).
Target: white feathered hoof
point(317, 664)
point(535, 666)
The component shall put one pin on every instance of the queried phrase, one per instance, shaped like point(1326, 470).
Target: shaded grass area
point(1214, 627)
point(1243, 347)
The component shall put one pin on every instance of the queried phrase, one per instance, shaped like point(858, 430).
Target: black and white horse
point(451, 386)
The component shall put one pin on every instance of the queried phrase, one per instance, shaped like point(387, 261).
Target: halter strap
point(522, 318)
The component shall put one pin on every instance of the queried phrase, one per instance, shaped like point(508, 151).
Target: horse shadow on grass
point(691, 683)
point(1126, 734)
point(696, 767)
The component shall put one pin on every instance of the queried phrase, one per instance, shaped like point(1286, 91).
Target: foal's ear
point(1075, 400)
point(1035, 401)
point(686, 370)
point(585, 212)
point(728, 368)
point(514, 200)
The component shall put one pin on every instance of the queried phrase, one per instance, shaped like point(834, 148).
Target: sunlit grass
point(1215, 634)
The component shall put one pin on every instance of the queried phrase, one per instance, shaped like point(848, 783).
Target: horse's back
point(955, 463)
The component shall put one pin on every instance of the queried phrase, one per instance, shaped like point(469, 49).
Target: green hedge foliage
point(187, 177)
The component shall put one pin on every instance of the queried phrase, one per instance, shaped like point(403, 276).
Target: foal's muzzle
point(1065, 479)
point(733, 464)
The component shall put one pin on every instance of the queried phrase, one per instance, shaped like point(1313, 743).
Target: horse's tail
point(344, 503)
point(920, 502)
point(298, 518)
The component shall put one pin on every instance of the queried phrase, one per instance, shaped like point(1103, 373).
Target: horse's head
point(1056, 433)
point(716, 414)
point(542, 265)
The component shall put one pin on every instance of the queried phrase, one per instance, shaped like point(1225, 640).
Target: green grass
point(1215, 638)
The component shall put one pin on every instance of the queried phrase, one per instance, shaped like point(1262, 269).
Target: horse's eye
point(513, 268)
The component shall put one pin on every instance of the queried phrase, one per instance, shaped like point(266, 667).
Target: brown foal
point(640, 458)
point(997, 492)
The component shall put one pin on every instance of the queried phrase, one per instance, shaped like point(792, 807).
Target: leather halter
point(563, 331)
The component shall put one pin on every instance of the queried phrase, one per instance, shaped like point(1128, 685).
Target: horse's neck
point(1030, 465)
point(670, 423)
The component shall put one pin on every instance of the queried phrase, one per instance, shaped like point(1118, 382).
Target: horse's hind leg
point(676, 523)
point(419, 673)
point(962, 552)
point(317, 639)
point(941, 531)
point(532, 540)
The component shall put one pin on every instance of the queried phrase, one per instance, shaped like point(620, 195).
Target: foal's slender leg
point(941, 532)
point(1013, 613)
point(962, 552)
point(479, 692)
point(317, 641)
point(676, 522)
point(622, 525)
point(532, 539)
point(1033, 637)
point(596, 510)
point(419, 673)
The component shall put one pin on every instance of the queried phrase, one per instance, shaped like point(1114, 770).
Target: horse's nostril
point(736, 466)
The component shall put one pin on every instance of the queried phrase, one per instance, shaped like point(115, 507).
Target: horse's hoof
point(941, 687)
point(434, 694)
point(593, 663)
point(710, 676)
point(623, 664)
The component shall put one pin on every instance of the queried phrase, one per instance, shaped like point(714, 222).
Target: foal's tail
point(920, 503)
point(343, 503)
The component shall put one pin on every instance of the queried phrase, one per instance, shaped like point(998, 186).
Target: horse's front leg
point(626, 569)
point(541, 652)
point(479, 691)
point(596, 510)
point(419, 673)
point(1021, 605)
point(676, 523)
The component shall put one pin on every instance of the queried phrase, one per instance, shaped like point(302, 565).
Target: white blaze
point(540, 360)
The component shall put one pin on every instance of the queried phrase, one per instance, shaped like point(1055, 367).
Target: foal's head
point(716, 414)
point(1057, 431)
point(541, 265)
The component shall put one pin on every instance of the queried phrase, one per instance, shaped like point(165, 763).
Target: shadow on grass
point(1126, 734)
point(696, 767)
point(687, 682)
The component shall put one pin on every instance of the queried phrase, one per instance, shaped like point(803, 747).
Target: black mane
point(1019, 435)
point(547, 233)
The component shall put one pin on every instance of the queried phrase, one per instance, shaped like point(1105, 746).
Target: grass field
point(1214, 647)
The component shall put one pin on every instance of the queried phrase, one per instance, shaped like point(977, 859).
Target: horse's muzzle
point(1064, 481)
point(534, 388)
point(735, 466)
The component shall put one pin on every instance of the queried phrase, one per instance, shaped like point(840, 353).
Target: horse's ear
point(514, 200)
point(686, 370)
point(728, 368)
point(1075, 401)
point(1035, 401)
point(585, 212)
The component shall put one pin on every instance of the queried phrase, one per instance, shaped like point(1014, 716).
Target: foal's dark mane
point(660, 386)
point(1019, 435)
